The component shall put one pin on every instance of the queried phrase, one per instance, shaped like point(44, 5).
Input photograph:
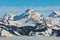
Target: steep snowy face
point(35, 16)
point(8, 16)
point(22, 20)
point(55, 14)
point(53, 19)
point(0, 19)
point(22, 16)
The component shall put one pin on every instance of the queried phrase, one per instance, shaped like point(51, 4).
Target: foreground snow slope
point(30, 38)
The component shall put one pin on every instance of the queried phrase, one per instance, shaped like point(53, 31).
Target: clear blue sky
point(29, 2)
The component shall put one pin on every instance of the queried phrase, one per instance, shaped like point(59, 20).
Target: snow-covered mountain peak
point(29, 10)
point(8, 16)
point(54, 14)
point(57, 13)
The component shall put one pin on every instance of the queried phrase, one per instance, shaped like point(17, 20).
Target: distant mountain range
point(30, 23)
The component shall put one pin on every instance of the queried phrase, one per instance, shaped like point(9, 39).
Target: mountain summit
point(54, 14)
